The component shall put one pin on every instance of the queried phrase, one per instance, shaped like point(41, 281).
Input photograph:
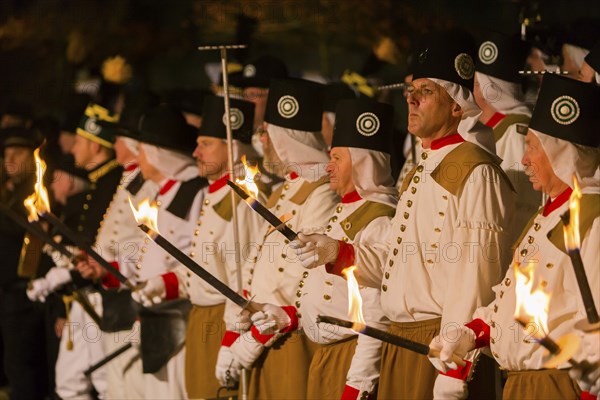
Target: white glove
point(153, 292)
point(228, 368)
point(246, 350)
point(271, 319)
point(456, 341)
point(446, 388)
point(39, 289)
point(588, 376)
point(315, 249)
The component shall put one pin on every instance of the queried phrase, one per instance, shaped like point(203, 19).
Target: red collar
point(130, 167)
point(167, 186)
point(293, 176)
point(559, 201)
point(351, 197)
point(496, 118)
point(446, 141)
point(218, 184)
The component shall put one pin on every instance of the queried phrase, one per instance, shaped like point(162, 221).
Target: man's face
point(83, 152)
point(211, 157)
point(66, 140)
point(537, 165)
point(18, 161)
point(192, 119)
point(258, 96)
point(123, 154)
point(430, 109)
point(340, 171)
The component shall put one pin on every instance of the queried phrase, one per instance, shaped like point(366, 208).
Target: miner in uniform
point(296, 151)
point(345, 366)
point(164, 160)
point(92, 151)
point(118, 238)
point(211, 245)
point(452, 221)
point(560, 145)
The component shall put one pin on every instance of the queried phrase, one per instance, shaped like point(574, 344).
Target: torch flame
point(38, 202)
point(571, 231)
point(354, 300)
point(146, 214)
point(532, 305)
point(248, 182)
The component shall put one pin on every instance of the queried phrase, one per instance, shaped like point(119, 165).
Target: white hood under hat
point(469, 127)
point(371, 174)
point(172, 164)
point(568, 159)
point(506, 97)
point(305, 152)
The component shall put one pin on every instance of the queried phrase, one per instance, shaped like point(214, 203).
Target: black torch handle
point(79, 242)
point(264, 212)
point(195, 268)
point(35, 230)
point(584, 287)
point(391, 339)
point(379, 334)
point(107, 359)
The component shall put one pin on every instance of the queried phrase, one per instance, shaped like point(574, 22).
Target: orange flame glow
point(248, 182)
point(532, 305)
point(571, 231)
point(146, 214)
point(354, 300)
point(38, 202)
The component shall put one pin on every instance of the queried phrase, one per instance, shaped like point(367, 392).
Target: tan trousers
point(205, 331)
point(544, 384)
point(328, 369)
point(404, 373)
point(282, 370)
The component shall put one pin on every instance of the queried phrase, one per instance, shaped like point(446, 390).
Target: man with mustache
point(452, 222)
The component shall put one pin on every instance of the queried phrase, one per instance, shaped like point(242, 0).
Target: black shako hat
point(334, 92)
point(501, 56)
point(447, 55)
point(259, 73)
point(165, 126)
point(363, 123)
point(567, 109)
point(295, 104)
point(136, 104)
point(17, 136)
point(241, 115)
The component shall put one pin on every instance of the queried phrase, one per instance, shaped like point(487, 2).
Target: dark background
point(45, 45)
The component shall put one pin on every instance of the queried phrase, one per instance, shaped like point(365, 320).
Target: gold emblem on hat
point(464, 66)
